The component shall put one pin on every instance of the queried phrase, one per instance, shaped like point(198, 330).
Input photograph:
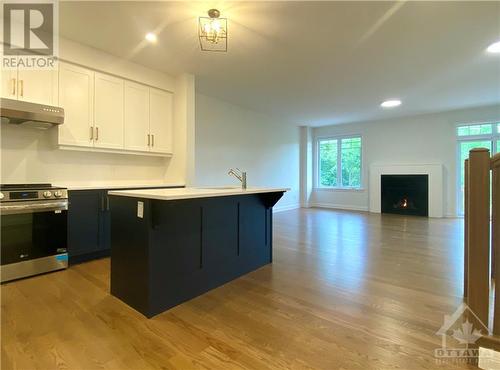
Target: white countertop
point(188, 193)
point(116, 185)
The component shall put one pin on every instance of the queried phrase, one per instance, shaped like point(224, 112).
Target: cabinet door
point(76, 88)
point(161, 120)
point(37, 86)
point(9, 84)
point(136, 117)
point(84, 222)
point(108, 114)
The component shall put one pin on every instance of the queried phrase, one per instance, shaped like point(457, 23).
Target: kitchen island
point(171, 245)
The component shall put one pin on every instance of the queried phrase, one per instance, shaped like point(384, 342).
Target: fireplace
point(405, 194)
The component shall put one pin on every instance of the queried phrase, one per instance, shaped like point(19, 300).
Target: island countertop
point(192, 192)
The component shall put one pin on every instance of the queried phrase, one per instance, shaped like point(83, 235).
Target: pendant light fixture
point(212, 32)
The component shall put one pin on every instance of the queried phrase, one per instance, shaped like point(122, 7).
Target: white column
point(306, 163)
point(181, 165)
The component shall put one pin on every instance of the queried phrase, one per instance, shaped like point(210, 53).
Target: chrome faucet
point(242, 176)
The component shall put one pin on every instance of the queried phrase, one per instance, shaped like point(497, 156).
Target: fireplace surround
point(435, 174)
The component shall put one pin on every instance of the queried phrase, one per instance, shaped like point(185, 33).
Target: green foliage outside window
point(328, 162)
point(351, 162)
point(472, 130)
point(347, 153)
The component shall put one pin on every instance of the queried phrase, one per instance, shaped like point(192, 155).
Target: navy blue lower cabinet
point(88, 225)
point(180, 249)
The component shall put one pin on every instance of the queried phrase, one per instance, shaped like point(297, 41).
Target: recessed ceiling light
point(494, 48)
point(151, 37)
point(391, 103)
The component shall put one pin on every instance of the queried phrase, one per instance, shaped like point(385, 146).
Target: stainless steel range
point(34, 229)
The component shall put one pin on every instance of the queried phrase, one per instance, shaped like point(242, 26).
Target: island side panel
point(176, 255)
point(254, 238)
point(200, 244)
point(129, 252)
point(220, 240)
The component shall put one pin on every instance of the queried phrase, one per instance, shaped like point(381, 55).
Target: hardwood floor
point(346, 291)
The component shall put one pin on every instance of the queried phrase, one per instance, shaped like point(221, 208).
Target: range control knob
point(47, 194)
point(1, 196)
point(58, 194)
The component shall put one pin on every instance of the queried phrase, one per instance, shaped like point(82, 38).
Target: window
point(339, 162)
point(484, 135)
point(472, 130)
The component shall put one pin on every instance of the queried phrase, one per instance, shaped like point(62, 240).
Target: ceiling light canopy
point(212, 32)
point(494, 48)
point(391, 103)
point(151, 37)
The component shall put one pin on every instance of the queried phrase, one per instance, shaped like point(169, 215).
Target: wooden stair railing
point(495, 237)
point(477, 242)
point(466, 229)
point(477, 233)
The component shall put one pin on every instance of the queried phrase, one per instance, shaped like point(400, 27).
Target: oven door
point(33, 239)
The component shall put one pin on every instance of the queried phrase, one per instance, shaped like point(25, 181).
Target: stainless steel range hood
point(18, 112)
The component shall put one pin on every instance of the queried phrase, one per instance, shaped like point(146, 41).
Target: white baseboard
point(339, 206)
point(287, 207)
point(356, 208)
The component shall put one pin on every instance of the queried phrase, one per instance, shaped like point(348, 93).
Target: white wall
point(88, 57)
point(229, 136)
point(30, 155)
point(429, 138)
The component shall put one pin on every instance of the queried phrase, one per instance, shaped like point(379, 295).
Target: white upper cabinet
point(76, 92)
point(108, 112)
point(136, 116)
point(9, 84)
point(161, 120)
point(37, 86)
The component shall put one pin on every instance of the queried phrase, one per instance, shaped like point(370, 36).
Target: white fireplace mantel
point(434, 171)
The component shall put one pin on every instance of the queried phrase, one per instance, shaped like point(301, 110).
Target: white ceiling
point(309, 62)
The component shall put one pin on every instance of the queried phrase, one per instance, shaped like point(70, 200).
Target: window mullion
point(318, 167)
point(339, 163)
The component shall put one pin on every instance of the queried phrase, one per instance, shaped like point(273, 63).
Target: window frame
point(494, 138)
point(317, 166)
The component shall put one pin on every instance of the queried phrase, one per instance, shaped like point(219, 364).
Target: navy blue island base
point(180, 249)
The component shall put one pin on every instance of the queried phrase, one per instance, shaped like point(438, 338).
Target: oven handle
point(8, 209)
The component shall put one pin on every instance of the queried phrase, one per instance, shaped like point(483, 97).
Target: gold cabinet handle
point(21, 82)
point(96, 133)
point(91, 133)
point(152, 140)
point(149, 139)
point(13, 86)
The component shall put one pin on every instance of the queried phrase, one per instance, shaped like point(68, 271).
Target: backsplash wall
point(31, 155)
